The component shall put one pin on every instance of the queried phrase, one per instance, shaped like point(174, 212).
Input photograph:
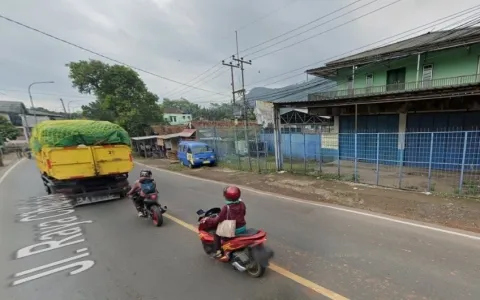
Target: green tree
point(7, 130)
point(122, 96)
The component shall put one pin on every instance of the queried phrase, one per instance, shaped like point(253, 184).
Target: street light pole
point(68, 107)
point(31, 99)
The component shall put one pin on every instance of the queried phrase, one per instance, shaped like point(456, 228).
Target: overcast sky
point(180, 39)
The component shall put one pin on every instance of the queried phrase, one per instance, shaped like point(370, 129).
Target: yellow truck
point(88, 161)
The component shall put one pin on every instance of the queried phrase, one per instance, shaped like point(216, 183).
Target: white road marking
point(58, 262)
point(83, 266)
point(63, 228)
point(361, 213)
point(49, 208)
point(9, 170)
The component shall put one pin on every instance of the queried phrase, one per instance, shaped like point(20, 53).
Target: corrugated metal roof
point(430, 41)
point(186, 133)
point(172, 110)
point(15, 107)
point(293, 92)
point(44, 113)
point(142, 138)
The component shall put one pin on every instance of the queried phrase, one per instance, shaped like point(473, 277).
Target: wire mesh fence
point(242, 149)
point(444, 162)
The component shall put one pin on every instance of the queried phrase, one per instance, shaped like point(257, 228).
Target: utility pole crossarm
point(241, 60)
point(230, 64)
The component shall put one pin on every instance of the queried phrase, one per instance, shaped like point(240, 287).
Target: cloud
point(180, 39)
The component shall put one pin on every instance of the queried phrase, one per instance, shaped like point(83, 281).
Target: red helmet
point(231, 193)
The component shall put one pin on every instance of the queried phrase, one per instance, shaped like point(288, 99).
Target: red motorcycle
point(151, 208)
point(245, 252)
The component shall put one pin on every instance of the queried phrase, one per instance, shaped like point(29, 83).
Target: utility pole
point(63, 105)
point(230, 64)
point(239, 65)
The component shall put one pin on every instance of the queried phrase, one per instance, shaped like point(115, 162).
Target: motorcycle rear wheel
point(256, 270)
point(207, 248)
point(157, 217)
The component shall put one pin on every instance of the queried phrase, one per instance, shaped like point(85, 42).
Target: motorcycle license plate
point(93, 199)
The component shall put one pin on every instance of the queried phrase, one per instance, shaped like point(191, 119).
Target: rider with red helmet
point(235, 209)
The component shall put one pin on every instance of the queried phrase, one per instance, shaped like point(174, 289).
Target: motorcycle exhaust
point(239, 267)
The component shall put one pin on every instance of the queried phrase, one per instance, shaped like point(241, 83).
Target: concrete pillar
point(336, 124)
point(277, 138)
point(402, 128)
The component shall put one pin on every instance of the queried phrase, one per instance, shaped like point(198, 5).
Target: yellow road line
point(284, 272)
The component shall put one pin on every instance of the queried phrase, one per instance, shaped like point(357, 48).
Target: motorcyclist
point(137, 188)
point(236, 210)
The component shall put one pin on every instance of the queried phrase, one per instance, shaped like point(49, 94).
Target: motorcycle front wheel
point(157, 217)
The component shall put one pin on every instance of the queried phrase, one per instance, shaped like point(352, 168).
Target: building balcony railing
point(398, 88)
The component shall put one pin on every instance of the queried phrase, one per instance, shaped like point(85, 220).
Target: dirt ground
point(451, 211)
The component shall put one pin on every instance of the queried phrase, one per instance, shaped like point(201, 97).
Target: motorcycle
point(245, 252)
point(152, 209)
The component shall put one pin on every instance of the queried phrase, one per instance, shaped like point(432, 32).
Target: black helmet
point(145, 173)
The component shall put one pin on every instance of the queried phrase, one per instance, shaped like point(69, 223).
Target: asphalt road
point(119, 256)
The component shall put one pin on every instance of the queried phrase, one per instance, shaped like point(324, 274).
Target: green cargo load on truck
point(70, 133)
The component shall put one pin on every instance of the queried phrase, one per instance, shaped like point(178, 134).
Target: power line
point(317, 27)
point(50, 94)
point(338, 26)
point(101, 55)
point(266, 15)
point(328, 84)
point(238, 29)
point(274, 38)
point(302, 26)
point(191, 81)
point(315, 84)
point(295, 29)
point(89, 99)
point(416, 30)
point(187, 89)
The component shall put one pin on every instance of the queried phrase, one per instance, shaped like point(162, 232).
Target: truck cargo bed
point(65, 163)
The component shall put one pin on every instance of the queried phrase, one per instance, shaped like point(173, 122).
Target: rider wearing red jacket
point(236, 211)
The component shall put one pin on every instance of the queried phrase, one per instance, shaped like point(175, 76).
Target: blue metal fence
point(426, 161)
point(413, 160)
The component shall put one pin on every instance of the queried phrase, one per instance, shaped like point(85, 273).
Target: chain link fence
point(443, 162)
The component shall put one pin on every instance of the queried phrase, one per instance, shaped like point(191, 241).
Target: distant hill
point(298, 91)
